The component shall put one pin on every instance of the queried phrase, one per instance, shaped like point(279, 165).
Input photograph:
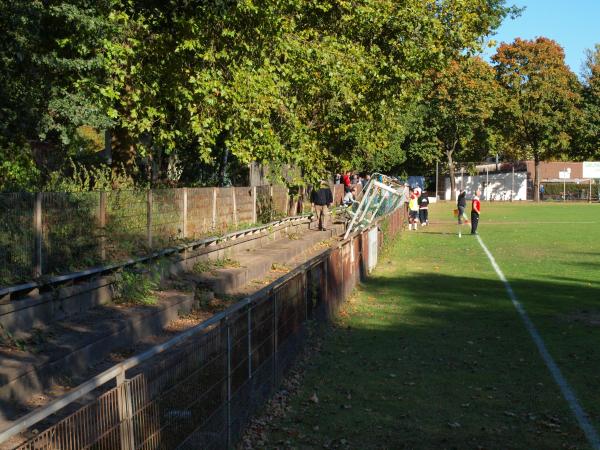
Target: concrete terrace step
point(256, 263)
point(68, 348)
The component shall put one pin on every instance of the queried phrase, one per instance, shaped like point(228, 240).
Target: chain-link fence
point(17, 239)
point(202, 391)
point(54, 233)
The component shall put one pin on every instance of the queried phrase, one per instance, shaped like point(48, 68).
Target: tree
point(318, 84)
point(589, 143)
point(457, 114)
point(542, 96)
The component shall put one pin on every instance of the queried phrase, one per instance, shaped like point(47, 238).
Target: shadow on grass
point(439, 361)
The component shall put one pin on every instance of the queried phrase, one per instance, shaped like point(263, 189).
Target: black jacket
point(462, 200)
point(322, 196)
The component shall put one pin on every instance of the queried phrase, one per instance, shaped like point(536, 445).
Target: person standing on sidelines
point(424, 209)
point(461, 204)
point(475, 211)
point(322, 199)
point(346, 181)
point(413, 210)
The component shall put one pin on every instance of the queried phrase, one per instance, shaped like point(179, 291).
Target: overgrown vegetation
point(136, 287)
point(213, 264)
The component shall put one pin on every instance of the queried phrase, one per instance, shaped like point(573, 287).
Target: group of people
point(417, 203)
point(461, 206)
point(349, 179)
point(418, 207)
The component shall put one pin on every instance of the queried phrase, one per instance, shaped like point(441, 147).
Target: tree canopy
point(541, 106)
point(322, 85)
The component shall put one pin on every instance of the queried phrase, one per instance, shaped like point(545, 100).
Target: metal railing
point(198, 389)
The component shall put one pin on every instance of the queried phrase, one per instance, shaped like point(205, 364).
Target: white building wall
point(498, 188)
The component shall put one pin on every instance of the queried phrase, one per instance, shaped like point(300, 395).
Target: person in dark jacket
point(461, 204)
point(424, 209)
point(321, 200)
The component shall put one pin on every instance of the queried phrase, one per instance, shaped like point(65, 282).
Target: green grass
point(430, 352)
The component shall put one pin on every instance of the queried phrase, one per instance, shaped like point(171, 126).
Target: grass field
point(431, 353)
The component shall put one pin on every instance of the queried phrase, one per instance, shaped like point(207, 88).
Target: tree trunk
point(536, 177)
point(452, 177)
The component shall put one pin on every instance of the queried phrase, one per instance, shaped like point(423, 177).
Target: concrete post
point(214, 208)
point(38, 235)
point(149, 201)
point(184, 212)
point(271, 203)
point(234, 205)
point(254, 218)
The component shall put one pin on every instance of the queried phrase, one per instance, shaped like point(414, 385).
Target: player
point(475, 211)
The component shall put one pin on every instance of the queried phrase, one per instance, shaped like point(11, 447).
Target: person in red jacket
point(346, 181)
point(475, 211)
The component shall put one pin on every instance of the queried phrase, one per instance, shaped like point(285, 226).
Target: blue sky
point(574, 24)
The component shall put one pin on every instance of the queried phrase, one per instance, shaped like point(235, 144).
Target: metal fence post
point(102, 224)
point(590, 196)
point(254, 218)
point(125, 407)
point(214, 208)
point(149, 217)
point(250, 341)
point(275, 325)
point(184, 211)
point(38, 235)
point(228, 328)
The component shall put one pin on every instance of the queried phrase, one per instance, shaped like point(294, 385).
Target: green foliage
point(456, 120)
point(540, 110)
point(8, 339)
point(212, 264)
point(136, 287)
point(588, 133)
point(318, 85)
point(82, 179)
point(18, 170)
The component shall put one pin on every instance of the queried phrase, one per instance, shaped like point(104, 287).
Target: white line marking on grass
point(563, 384)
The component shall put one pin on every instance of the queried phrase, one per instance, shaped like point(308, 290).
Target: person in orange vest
point(475, 211)
point(413, 209)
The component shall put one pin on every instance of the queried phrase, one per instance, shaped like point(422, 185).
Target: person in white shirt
point(349, 197)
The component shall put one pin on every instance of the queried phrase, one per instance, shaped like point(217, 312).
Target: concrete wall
point(496, 187)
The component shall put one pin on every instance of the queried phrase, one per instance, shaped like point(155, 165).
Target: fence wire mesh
point(202, 392)
point(17, 239)
point(80, 230)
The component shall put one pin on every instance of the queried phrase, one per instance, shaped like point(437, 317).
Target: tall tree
point(542, 97)
point(457, 115)
point(589, 143)
point(317, 84)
